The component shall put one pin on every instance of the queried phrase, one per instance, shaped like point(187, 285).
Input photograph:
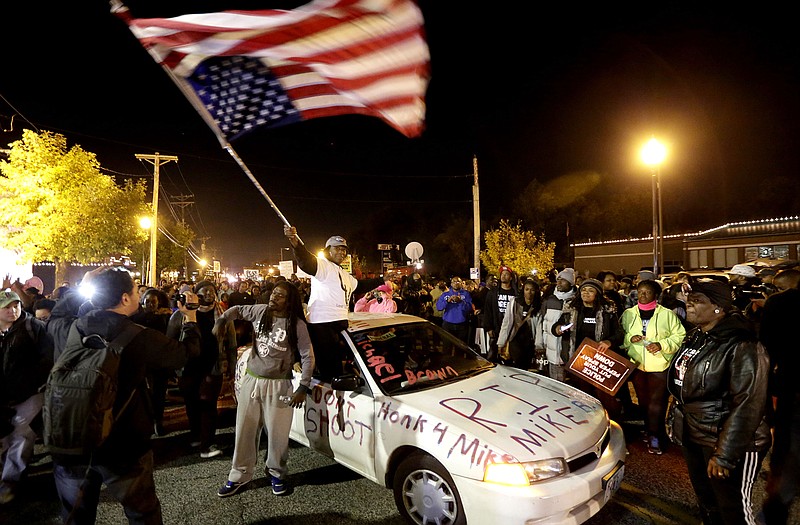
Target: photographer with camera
point(378, 300)
point(201, 380)
point(744, 285)
point(749, 293)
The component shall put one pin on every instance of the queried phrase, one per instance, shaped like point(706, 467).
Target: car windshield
point(409, 357)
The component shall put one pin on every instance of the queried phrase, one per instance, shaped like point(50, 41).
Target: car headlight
point(522, 474)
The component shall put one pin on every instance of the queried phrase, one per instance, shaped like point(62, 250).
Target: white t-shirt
point(331, 289)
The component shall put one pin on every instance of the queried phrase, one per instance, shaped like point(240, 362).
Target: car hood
point(515, 414)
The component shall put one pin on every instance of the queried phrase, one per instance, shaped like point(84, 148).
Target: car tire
point(425, 493)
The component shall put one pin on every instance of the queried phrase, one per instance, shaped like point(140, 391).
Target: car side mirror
point(347, 383)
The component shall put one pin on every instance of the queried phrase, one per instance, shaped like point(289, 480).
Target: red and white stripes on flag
point(326, 58)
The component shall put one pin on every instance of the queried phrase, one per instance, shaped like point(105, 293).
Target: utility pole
point(183, 201)
point(156, 161)
point(476, 217)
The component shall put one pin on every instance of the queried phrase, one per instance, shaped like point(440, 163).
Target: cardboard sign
point(607, 370)
point(286, 268)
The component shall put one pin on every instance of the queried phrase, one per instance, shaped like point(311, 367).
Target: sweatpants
point(260, 405)
point(723, 501)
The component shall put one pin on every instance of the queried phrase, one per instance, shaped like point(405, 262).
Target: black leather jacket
point(722, 399)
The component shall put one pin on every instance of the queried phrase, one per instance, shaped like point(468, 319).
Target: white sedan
point(458, 439)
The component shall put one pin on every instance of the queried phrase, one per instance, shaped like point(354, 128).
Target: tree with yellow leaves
point(521, 250)
point(55, 204)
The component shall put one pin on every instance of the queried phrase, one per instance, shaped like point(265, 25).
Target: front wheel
point(425, 493)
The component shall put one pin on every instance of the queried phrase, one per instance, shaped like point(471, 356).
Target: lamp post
point(653, 154)
point(282, 249)
point(146, 224)
point(203, 266)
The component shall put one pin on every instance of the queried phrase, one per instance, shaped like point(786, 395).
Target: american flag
point(268, 68)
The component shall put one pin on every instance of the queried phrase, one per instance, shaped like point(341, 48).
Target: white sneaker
point(212, 452)
point(6, 493)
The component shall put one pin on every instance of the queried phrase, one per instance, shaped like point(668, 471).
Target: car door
point(339, 424)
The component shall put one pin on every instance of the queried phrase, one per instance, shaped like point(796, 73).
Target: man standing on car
point(331, 290)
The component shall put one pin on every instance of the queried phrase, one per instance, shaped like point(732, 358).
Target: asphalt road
point(656, 490)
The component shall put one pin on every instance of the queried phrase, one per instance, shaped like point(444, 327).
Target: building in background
point(765, 242)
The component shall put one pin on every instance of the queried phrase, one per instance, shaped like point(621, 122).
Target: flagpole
point(195, 101)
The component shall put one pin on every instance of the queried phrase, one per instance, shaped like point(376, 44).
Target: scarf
point(649, 306)
point(562, 296)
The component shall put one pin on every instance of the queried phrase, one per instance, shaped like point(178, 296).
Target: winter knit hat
point(568, 274)
point(646, 275)
point(593, 283)
point(201, 284)
point(717, 292)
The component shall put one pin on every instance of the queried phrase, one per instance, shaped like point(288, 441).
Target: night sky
point(534, 93)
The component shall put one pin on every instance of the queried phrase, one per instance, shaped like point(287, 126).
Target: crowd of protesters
point(672, 332)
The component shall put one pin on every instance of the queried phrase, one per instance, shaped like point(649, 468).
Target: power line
point(18, 112)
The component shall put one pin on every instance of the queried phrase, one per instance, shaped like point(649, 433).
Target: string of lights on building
point(692, 234)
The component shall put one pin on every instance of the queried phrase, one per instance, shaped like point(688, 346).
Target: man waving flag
point(248, 69)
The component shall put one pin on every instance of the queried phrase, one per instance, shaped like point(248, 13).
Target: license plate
point(613, 480)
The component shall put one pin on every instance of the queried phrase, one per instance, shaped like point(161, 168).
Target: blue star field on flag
point(241, 94)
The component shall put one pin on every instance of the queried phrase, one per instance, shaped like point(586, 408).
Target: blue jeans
point(16, 449)
point(460, 330)
point(132, 485)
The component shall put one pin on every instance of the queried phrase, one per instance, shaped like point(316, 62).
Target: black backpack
point(81, 391)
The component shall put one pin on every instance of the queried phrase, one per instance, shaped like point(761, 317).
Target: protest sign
point(605, 369)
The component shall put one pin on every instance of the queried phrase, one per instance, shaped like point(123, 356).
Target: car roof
point(719, 275)
point(358, 321)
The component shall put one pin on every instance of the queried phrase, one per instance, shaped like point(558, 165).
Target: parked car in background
point(457, 438)
point(719, 275)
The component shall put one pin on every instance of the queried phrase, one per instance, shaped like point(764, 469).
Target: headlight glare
point(506, 474)
point(523, 474)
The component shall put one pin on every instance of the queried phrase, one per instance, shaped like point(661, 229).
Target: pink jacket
point(387, 306)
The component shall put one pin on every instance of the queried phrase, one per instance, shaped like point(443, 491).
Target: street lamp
point(146, 224)
point(653, 155)
point(282, 249)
